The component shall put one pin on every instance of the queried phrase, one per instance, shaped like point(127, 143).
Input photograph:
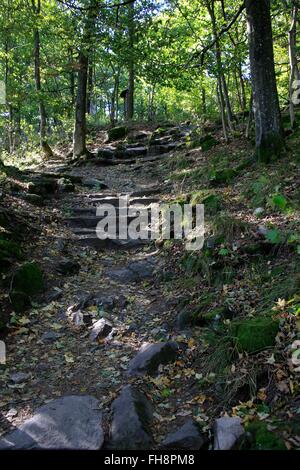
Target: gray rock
point(227, 432)
point(53, 295)
point(94, 183)
point(258, 211)
point(184, 319)
point(106, 154)
point(135, 151)
point(19, 377)
point(133, 272)
point(150, 356)
point(122, 275)
point(49, 337)
point(262, 230)
point(65, 185)
point(70, 422)
point(100, 329)
point(104, 301)
point(68, 267)
point(132, 414)
point(187, 437)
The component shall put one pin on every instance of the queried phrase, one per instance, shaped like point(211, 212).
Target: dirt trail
point(58, 355)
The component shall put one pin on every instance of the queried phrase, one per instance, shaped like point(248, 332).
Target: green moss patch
point(28, 279)
point(260, 438)
point(255, 334)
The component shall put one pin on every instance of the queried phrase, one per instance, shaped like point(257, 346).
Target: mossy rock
point(117, 133)
point(9, 249)
point(34, 199)
point(42, 186)
point(224, 176)
point(28, 279)
point(65, 185)
point(19, 300)
point(254, 334)
point(260, 438)
point(212, 202)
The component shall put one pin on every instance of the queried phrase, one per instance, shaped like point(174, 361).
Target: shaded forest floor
point(248, 269)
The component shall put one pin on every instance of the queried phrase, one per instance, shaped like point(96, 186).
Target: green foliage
point(225, 176)
point(278, 201)
point(274, 236)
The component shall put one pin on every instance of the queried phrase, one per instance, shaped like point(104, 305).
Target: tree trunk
point(37, 76)
point(222, 85)
point(294, 70)
point(90, 87)
point(130, 96)
point(79, 137)
point(269, 134)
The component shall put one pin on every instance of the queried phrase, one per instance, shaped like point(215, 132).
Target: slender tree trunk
point(222, 85)
point(37, 76)
point(131, 73)
point(90, 87)
point(269, 134)
point(294, 70)
point(203, 100)
point(222, 109)
point(79, 137)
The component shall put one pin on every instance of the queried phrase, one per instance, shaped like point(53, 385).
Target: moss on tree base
point(270, 148)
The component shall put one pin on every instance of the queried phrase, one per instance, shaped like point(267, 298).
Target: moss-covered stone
point(65, 185)
point(117, 133)
point(211, 201)
point(42, 186)
point(260, 438)
point(9, 249)
point(19, 300)
point(254, 334)
point(224, 176)
point(34, 199)
point(28, 279)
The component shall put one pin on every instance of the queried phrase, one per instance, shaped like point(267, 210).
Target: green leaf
point(273, 236)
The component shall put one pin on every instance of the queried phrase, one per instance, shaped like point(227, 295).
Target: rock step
point(96, 243)
point(92, 210)
point(145, 201)
point(89, 221)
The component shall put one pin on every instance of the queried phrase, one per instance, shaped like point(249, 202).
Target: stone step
point(132, 201)
point(91, 211)
point(135, 151)
point(88, 221)
point(92, 241)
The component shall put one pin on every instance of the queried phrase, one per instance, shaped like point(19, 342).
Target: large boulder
point(227, 432)
point(132, 414)
point(150, 356)
point(117, 133)
point(70, 423)
point(187, 437)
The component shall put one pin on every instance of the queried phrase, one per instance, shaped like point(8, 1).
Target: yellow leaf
point(69, 358)
point(191, 343)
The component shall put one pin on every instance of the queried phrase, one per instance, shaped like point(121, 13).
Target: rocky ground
point(110, 339)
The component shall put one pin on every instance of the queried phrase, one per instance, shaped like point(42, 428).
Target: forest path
point(123, 287)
